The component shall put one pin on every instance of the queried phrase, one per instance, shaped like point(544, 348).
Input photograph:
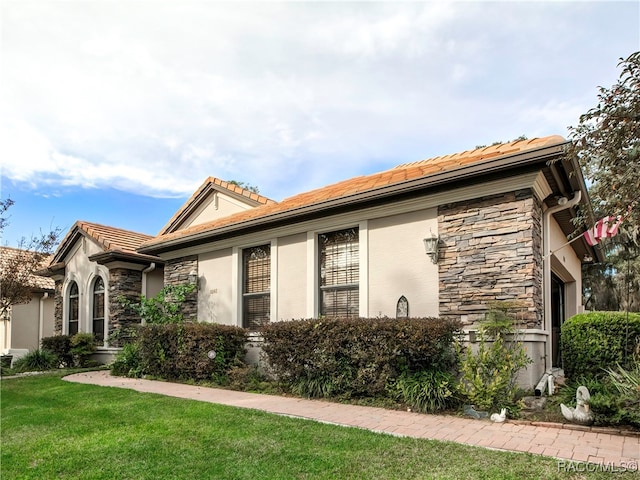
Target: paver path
point(584, 446)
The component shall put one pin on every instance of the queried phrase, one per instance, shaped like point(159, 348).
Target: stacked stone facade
point(58, 300)
point(176, 272)
point(123, 283)
point(491, 250)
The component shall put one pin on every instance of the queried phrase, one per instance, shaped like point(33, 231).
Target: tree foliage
point(18, 265)
point(607, 144)
point(245, 185)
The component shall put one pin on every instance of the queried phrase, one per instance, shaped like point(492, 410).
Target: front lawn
point(55, 429)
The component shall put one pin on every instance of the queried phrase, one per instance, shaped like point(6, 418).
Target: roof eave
point(119, 255)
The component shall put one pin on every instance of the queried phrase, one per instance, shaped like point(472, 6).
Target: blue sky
point(115, 112)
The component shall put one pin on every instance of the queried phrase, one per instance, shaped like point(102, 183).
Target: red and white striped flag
point(606, 227)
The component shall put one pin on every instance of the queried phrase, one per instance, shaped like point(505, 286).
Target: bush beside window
point(356, 357)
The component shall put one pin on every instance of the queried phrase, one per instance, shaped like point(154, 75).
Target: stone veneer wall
point(491, 250)
point(123, 283)
point(176, 272)
point(57, 308)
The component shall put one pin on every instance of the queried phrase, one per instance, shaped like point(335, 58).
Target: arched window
point(98, 309)
point(74, 309)
point(402, 307)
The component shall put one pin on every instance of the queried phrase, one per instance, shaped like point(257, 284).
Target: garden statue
point(581, 414)
point(499, 417)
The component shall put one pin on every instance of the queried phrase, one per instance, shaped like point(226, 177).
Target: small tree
point(607, 144)
point(18, 265)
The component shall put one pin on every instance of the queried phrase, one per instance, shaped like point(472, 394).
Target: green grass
point(55, 429)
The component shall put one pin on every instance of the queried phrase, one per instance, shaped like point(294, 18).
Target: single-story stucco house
point(446, 236)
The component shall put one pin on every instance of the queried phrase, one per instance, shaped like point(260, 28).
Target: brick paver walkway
point(583, 445)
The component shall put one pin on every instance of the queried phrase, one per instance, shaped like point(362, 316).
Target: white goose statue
point(581, 414)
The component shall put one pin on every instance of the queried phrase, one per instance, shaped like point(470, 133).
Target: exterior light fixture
point(431, 245)
point(587, 258)
point(193, 277)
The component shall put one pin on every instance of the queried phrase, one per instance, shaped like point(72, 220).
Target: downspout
point(45, 295)
point(149, 269)
point(546, 266)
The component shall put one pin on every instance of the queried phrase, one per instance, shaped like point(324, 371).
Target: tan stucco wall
point(155, 282)
point(216, 205)
point(83, 271)
point(398, 264)
point(568, 267)
point(48, 325)
point(407, 271)
point(215, 294)
point(292, 277)
point(25, 324)
point(22, 332)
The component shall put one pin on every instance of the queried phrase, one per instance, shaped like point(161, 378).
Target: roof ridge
point(496, 149)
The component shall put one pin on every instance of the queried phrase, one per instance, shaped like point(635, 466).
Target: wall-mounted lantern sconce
point(587, 258)
point(193, 278)
point(431, 245)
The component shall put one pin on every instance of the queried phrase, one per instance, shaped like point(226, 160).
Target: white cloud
point(154, 97)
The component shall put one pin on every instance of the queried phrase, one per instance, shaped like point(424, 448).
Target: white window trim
point(313, 290)
point(66, 288)
point(91, 285)
point(236, 280)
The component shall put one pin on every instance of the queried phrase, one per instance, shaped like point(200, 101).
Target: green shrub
point(60, 345)
point(488, 376)
point(83, 345)
point(355, 357)
point(128, 362)
point(180, 351)
point(426, 391)
point(36, 361)
point(591, 342)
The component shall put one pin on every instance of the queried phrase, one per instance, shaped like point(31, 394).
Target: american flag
point(604, 228)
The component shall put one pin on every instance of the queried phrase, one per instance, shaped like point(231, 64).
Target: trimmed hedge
point(179, 351)
point(59, 345)
point(356, 357)
point(591, 342)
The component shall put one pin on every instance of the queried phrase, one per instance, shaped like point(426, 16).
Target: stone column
point(491, 251)
point(58, 300)
point(176, 272)
point(128, 284)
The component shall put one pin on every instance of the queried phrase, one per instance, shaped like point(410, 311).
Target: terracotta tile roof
point(110, 239)
point(213, 183)
point(369, 183)
point(8, 256)
point(113, 239)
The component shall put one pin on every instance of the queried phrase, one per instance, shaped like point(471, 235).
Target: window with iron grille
point(256, 285)
point(98, 309)
point(74, 309)
point(339, 265)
